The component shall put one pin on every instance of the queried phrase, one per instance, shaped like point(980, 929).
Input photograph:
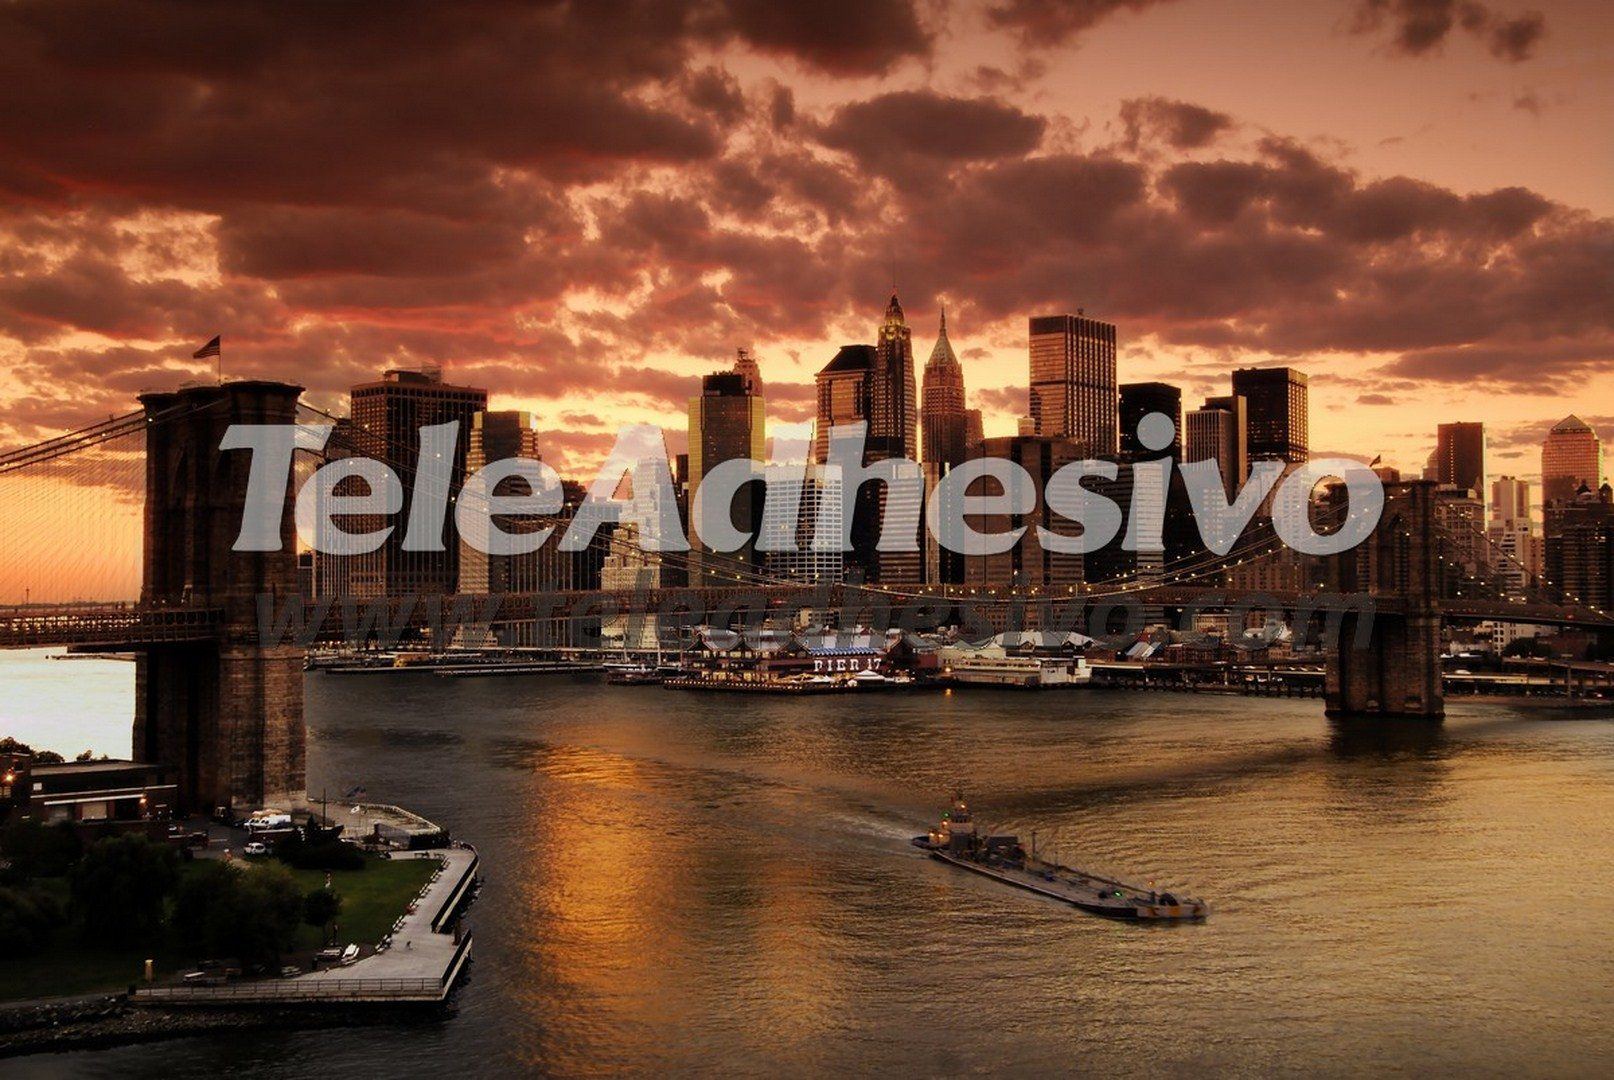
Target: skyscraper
point(815, 499)
point(1217, 433)
point(726, 421)
point(893, 398)
point(1460, 456)
point(1510, 500)
point(495, 436)
point(1570, 456)
point(1073, 393)
point(1028, 562)
point(1580, 549)
point(745, 365)
point(843, 394)
point(1512, 535)
point(1139, 400)
point(942, 413)
point(1277, 413)
point(974, 429)
point(387, 417)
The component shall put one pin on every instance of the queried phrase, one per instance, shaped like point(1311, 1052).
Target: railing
point(327, 618)
point(25, 627)
point(457, 893)
point(329, 989)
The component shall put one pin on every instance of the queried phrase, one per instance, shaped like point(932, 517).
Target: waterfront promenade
point(418, 963)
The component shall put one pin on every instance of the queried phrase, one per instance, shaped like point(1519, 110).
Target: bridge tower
point(226, 714)
point(1396, 671)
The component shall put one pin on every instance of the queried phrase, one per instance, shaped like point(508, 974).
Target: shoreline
point(31, 1028)
point(336, 997)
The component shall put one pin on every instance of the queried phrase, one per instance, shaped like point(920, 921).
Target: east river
point(692, 883)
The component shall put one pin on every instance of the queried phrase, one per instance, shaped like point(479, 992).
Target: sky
point(584, 207)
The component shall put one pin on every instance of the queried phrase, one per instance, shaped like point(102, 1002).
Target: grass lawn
point(372, 899)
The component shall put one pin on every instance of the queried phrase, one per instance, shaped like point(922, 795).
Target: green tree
point(1528, 647)
point(269, 908)
point(28, 918)
point(321, 907)
point(204, 904)
point(39, 850)
point(119, 886)
point(248, 913)
point(10, 745)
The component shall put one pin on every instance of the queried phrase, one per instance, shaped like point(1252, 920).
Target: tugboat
point(1003, 858)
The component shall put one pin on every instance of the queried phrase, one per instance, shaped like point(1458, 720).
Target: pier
point(418, 964)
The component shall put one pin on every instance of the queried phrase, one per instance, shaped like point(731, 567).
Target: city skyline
point(779, 180)
point(706, 537)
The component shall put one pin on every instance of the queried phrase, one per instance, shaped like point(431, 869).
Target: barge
point(955, 841)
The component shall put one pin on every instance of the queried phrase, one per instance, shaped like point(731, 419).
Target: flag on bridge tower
point(214, 349)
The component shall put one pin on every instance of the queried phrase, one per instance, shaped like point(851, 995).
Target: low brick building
point(98, 797)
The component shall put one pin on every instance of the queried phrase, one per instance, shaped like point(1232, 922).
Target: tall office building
point(333, 573)
point(726, 421)
point(387, 416)
point(1277, 415)
point(815, 498)
point(1028, 562)
point(495, 436)
point(1217, 433)
point(942, 413)
point(1510, 501)
point(1571, 456)
point(745, 365)
point(893, 398)
point(1139, 400)
point(1073, 386)
point(843, 394)
point(1511, 535)
point(1580, 552)
point(974, 429)
point(1460, 456)
point(1461, 539)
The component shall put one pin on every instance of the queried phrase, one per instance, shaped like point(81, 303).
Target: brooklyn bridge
point(221, 635)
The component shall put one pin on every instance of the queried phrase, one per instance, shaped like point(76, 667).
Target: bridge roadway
point(137, 626)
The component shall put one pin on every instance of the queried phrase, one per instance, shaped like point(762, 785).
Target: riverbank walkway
point(418, 963)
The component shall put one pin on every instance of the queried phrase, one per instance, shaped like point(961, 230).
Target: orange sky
point(584, 208)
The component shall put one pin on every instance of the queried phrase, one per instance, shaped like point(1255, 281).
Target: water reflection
point(694, 883)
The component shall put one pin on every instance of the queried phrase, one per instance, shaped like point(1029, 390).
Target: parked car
point(255, 848)
point(290, 971)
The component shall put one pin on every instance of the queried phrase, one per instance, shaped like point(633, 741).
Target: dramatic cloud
point(1179, 124)
point(1047, 23)
point(1420, 26)
point(584, 207)
point(916, 133)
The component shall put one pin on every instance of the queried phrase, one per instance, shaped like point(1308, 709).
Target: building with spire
point(893, 396)
point(943, 418)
